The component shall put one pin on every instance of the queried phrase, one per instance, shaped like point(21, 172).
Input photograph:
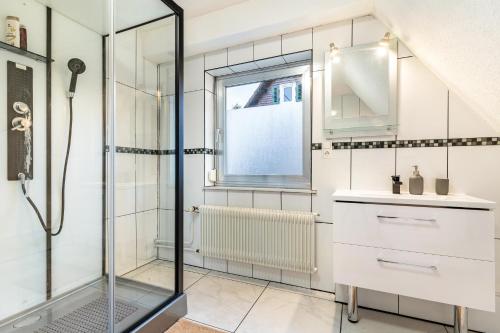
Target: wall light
point(385, 41)
point(334, 51)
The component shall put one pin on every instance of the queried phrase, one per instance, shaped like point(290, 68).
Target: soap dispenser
point(416, 182)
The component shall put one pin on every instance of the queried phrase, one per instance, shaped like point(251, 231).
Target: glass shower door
point(93, 196)
point(147, 181)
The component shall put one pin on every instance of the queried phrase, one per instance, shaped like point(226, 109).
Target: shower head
point(76, 66)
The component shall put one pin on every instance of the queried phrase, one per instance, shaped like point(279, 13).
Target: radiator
point(273, 238)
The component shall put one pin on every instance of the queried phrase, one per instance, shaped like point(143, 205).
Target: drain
point(92, 317)
point(26, 321)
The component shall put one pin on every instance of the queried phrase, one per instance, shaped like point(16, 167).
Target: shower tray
point(86, 310)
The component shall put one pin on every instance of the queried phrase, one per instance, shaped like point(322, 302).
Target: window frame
point(264, 181)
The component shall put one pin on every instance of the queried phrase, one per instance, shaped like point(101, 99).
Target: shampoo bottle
point(416, 182)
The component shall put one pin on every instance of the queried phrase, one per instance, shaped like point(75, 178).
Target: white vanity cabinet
point(437, 248)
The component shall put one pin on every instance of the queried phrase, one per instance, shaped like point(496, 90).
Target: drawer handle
point(380, 217)
point(432, 267)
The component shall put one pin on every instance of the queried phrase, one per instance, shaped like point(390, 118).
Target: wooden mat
point(187, 326)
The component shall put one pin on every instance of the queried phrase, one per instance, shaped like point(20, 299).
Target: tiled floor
point(245, 305)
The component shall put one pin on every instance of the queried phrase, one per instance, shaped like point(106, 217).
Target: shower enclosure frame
point(175, 307)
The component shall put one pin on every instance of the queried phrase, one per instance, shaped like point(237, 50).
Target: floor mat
point(187, 326)
point(92, 317)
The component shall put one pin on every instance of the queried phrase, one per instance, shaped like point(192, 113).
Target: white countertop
point(427, 199)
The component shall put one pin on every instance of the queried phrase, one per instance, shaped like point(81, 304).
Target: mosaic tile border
point(141, 151)
point(424, 143)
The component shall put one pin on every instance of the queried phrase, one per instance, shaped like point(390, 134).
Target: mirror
point(360, 91)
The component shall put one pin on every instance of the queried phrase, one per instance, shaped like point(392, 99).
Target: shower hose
point(63, 196)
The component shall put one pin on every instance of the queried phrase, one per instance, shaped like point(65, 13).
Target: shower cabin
point(91, 211)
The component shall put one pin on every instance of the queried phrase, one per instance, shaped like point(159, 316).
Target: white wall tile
point(296, 279)
point(192, 239)
point(266, 273)
point(216, 197)
point(193, 186)
point(167, 182)
point(403, 51)
point(209, 83)
point(125, 184)
point(422, 102)
point(194, 71)
point(323, 278)
point(296, 202)
point(239, 268)
point(210, 120)
point(270, 200)
point(473, 170)
point(372, 169)
point(194, 119)
point(209, 165)
point(146, 182)
point(318, 106)
point(216, 59)
point(433, 311)
point(147, 232)
point(267, 48)
point(240, 199)
point(166, 136)
point(240, 54)
point(125, 248)
point(147, 70)
point(125, 54)
point(167, 78)
point(497, 266)
point(338, 33)
point(146, 121)
point(166, 226)
point(147, 76)
point(370, 298)
point(125, 111)
point(215, 264)
point(367, 29)
point(329, 175)
point(466, 122)
point(431, 163)
point(297, 41)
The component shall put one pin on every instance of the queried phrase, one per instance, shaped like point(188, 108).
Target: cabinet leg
point(461, 323)
point(352, 304)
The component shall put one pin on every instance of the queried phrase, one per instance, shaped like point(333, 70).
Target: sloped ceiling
point(459, 40)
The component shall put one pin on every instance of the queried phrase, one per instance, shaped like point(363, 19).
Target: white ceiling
point(193, 8)
point(93, 13)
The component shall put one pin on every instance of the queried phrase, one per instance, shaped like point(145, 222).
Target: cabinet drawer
point(453, 232)
point(449, 280)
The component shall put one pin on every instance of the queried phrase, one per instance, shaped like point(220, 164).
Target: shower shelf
point(29, 54)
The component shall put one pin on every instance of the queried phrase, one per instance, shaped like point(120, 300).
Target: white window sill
point(259, 189)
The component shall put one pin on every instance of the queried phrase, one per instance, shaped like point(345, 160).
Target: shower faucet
point(21, 123)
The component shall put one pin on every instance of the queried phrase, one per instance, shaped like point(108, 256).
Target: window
point(263, 137)
point(287, 93)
